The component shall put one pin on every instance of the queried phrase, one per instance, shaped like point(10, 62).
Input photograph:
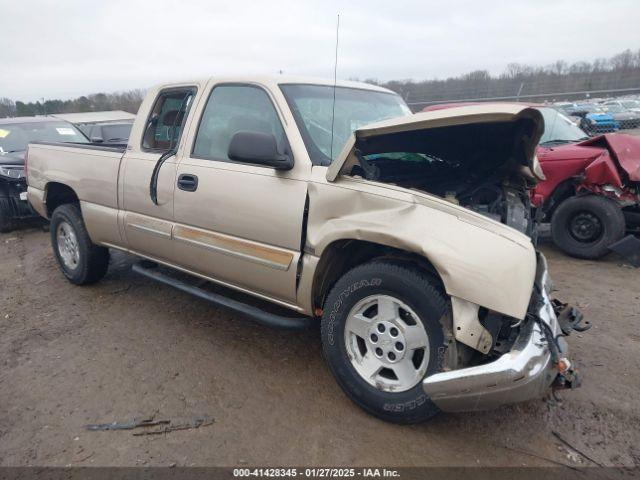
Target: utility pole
point(44, 107)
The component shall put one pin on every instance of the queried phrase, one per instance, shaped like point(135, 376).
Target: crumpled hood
point(469, 114)
point(623, 148)
point(13, 158)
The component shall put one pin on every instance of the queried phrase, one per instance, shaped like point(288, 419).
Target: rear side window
point(167, 119)
point(232, 109)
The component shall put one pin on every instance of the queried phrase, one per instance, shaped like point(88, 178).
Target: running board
point(256, 314)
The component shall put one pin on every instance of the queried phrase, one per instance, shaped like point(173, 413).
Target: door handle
point(188, 182)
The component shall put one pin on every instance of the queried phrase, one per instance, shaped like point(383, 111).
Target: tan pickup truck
point(407, 237)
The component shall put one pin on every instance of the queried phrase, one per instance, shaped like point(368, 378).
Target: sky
point(67, 48)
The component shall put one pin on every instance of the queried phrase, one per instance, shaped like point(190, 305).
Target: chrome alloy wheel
point(386, 343)
point(68, 245)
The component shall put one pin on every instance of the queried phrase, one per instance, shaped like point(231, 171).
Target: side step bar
point(256, 314)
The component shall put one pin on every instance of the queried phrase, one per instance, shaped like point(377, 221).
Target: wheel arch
point(342, 255)
point(564, 190)
point(57, 194)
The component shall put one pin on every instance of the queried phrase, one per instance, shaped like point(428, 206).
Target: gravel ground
point(127, 347)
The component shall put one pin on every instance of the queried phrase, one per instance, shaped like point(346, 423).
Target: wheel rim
point(68, 245)
point(386, 343)
point(585, 227)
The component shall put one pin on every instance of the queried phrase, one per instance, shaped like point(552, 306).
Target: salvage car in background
point(15, 135)
point(629, 104)
point(408, 239)
point(110, 127)
point(626, 118)
point(591, 191)
point(594, 120)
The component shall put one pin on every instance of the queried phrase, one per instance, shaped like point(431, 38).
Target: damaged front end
point(536, 360)
point(472, 168)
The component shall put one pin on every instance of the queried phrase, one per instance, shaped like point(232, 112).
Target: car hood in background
point(624, 148)
point(469, 114)
point(13, 158)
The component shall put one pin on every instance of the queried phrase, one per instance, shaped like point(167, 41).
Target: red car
point(591, 194)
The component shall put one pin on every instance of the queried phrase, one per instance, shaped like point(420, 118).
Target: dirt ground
point(127, 347)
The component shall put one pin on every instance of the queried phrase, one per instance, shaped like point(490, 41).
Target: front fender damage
point(482, 263)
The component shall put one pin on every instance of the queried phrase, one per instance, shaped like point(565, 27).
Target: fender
point(478, 260)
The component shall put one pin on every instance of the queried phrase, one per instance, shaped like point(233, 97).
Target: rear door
point(238, 223)
point(147, 225)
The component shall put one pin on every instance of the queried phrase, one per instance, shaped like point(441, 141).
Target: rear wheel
point(585, 227)
point(80, 260)
point(382, 336)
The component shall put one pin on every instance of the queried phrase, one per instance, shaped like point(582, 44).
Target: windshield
point(312, 107)
point(558, 128)
point(15, 137)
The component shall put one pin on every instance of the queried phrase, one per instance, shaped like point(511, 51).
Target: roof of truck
point(275, 80)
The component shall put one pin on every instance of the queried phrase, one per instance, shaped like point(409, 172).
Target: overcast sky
point(67, 48)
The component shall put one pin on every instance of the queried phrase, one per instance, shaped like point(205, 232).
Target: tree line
point(129, 101)
point(618, 74)
point(603, 77)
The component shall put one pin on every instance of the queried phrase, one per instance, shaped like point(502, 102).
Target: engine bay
point(479, 167)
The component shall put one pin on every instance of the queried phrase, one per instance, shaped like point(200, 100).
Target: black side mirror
point(258, 148)
point(580, 113)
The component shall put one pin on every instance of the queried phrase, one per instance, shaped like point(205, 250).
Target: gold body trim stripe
point(270, 257)
point(150, 230)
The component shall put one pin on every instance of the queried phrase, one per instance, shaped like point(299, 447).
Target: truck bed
point(90, 170)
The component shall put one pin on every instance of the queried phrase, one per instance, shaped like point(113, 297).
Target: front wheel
point(382, 335)
point(586, 226)
point(81, 261)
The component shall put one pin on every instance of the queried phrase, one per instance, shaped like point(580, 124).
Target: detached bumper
point(526, 372)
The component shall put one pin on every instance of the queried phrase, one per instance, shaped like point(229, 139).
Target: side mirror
point(97, 139)
point(258, 148)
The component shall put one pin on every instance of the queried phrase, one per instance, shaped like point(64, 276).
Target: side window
point(167, 118)
point(231, 109)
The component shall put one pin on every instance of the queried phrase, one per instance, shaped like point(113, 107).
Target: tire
point(6, 221)
point(382, 280)
point(585, 227)
point(91, 262)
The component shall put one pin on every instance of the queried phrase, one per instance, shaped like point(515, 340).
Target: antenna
point(335, 80)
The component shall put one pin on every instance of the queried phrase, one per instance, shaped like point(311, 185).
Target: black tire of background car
point(607, 212)
point(420, 293)
point(94, 260)
point(6, 221)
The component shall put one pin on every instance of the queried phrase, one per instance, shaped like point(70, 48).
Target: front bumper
point(526, 372)
point(13, 198)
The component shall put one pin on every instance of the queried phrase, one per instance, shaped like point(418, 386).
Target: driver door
point(238, 223)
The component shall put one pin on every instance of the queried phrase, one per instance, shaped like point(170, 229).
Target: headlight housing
point(12, 172)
